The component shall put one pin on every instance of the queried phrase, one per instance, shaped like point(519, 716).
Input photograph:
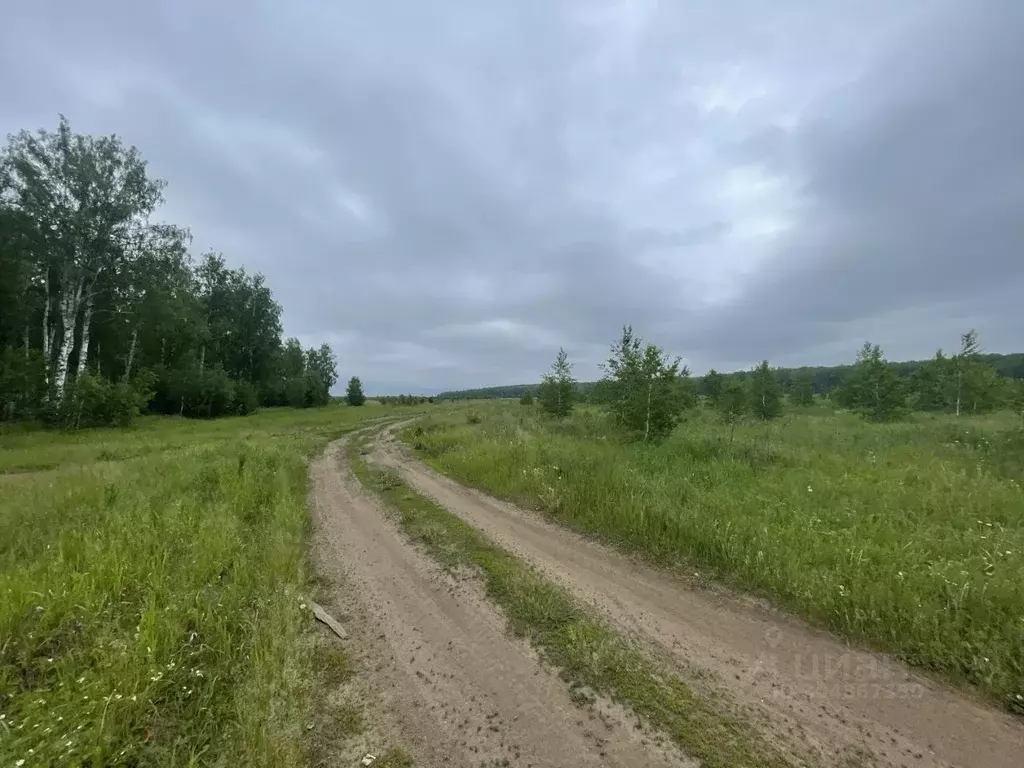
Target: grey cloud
point(447, 192)
point(912, 192)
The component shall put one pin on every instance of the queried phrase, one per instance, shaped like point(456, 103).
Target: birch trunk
point(69, 306)
point(47, 334)
point(647, 425)
point(82, 364)
point(131, 354)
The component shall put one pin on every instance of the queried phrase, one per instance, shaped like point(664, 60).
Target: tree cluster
point(801, 385)
point(647, 391)
point(962, 383)
point(103, 311)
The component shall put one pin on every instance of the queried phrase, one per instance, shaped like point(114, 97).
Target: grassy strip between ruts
point(587, 652)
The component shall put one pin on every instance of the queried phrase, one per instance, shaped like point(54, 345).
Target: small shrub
point(93, 401)
point(387, 480)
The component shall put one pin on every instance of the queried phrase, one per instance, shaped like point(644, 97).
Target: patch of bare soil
point(444, 680)
point(837, 704)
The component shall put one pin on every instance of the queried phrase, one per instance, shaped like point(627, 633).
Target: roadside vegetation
point(879, 513)
point(154, 591)
point(590, 656)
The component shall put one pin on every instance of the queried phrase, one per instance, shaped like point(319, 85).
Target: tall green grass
point(151, 587)
point(908, 537)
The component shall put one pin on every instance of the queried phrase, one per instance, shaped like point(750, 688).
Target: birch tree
point(647, 389)
point(87, 198)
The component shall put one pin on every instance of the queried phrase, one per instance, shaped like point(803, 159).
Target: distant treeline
point(403, 399)
point(824, 378)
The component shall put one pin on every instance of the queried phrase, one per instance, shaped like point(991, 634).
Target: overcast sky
point(447, 192)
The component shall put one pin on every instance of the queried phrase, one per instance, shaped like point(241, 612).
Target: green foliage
point(930, 385)
point(765, 392)
point(526, 399)
point(201, 393)
point(802, 391)
point(404, 399)
point(733, 401)
point(824, 379)
point(1015, 396)
point(908, 536)
point(354, 392)
point(89, 284)
point(247, 398)
point(22, 384)
point(557, 391)
point(93, 401)
point(295, 390)
point(647, 390)
point(711, 386)
point(322, 363)
point(872, 388)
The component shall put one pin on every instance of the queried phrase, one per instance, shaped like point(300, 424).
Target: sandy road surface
point(445, 680)
point(803, 687)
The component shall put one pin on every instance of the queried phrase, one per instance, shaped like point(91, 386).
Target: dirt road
point(801, 686)
point(454, 688)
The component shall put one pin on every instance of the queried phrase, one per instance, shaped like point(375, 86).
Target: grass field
point(152, 582)
point(908, 537)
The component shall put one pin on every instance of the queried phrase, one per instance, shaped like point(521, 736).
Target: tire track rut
point(452, 687)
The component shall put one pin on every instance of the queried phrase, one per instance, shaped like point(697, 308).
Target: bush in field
point(646, 389)
point(557, 390)
point(93, 401)
point(526, 399)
